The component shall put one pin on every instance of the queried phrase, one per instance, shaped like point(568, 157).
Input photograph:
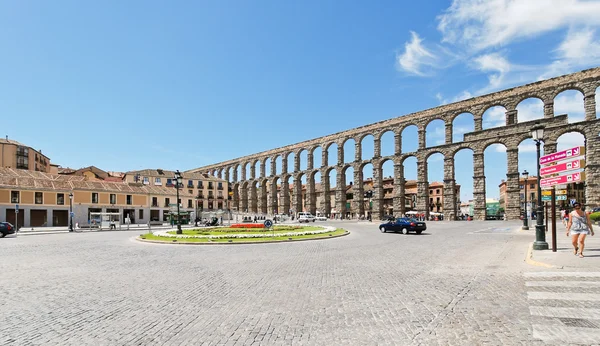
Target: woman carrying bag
point(580, 226)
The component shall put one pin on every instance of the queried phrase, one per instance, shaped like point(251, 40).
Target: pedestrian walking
point(579, 226)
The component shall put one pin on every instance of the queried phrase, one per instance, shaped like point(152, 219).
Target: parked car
point(305, 217)
point(404, 225)
point(320, 218)
point(6, 228)
point(595, 210)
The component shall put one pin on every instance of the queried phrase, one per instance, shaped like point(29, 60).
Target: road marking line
point(563, 296)
point(591, 314)
point(562, 274)
point(564, 335)
point(578, 284)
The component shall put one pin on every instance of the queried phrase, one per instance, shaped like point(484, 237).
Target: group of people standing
point(578, 226)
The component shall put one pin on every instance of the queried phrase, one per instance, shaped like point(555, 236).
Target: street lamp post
point(71, 211)
point(537, 132)
point(178, 180)
point(525, 214)
point(196, 211)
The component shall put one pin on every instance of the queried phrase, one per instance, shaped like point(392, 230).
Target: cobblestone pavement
point(460, 283)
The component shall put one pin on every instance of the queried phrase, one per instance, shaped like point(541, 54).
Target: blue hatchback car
point(404, 225)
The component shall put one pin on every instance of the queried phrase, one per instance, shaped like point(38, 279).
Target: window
point(146, 180)
point(531, 186)
point(128, 199)
point(220, 193)
point(191, 192)
point(39, 198)
point(95, 197)
point(155, 201)
point(431, 201)
point(190, 183)
point(210, 185)
point(169, 182)
point(437, 191)
point(141, 214)
point(190, 203)
point(521, 186)
point(14, 197)
point(200, 185)
point(220, 186)
point(438, 200)
point(431, 192)
point(167, 202)
point(157, 181)
point(220, 205)
point(113, 198)
point(60, 198)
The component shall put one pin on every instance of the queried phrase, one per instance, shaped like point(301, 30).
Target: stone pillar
point(311, 196)
point(340, 193)
point(297, 202)
point(244, 198)
point(253, 172)
point(512, 204)
point(285, 194)
point(284, 165)
point(236, 198)
point(397, 144)
point(235, 177)
point(340, 155)
point(449, 198)
point(273, 166)
point(324, 158)
point(399, 186)
point(422, 135)
point(377, 147)
point(274, 206)
point(377, 210)
point(263, 200)
point(478, 122)
point(297, 163)
point(478, 187)
point(589, 102)
point(357, 151)
point(325, 194)
point(263, 169)
point(244, 172)
point(422, 188)
point(592, 168)
point(449, 133)
point(255, 200)
point(358, 206)
point(511, 117)
point(549, 108)
point(227, 176)
point(310, 158)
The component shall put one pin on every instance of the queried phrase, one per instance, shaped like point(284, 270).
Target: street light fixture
point(178, 180)
point(537, 133)
point(71, 211)
point(196, 211)
point(525, 214)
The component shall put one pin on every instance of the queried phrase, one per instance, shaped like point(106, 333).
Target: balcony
point(190, 186)
point(219, 187)
point(155, 205)
point(200, 196)
point(210, 186)
point(166, 204)
point(220, 197)
point(211, 197)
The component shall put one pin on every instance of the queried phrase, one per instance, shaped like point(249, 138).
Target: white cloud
point(481, 24)
point(580, 45)
point(493, 63)
point(416, 57)
point(465, 94)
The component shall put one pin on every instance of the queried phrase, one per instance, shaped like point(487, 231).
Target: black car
point(404, 225)
point(6, 229)
point(595, 210)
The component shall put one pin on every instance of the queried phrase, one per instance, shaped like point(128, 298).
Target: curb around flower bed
point(174, 237)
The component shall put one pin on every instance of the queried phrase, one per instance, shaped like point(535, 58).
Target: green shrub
point(595, 216)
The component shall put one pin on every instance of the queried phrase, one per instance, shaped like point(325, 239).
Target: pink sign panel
point(561, 155)
point(562, 167)
point(563, 179)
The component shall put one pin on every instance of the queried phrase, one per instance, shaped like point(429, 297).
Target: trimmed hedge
point(595, 216)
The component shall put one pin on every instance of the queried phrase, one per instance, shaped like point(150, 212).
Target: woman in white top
point(580, 226)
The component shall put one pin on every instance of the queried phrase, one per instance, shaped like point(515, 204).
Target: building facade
point(20, 156)
point(575, 192)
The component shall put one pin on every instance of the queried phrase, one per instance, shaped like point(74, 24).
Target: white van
point(305, 217)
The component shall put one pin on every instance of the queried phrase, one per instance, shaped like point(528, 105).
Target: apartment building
point(575, 191)
point(20, 156)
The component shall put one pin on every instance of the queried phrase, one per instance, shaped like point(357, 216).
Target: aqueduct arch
point(510, 135)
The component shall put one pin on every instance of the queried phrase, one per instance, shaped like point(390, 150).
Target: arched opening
point(332, 154)
point(368, 187)
point(462, 123)
point(387, 188)
point(268, 167)
point(410, 183)
point(274, 196)
point(315, 196)
point(247, 166)
point(278, 166)
point(495, 169)
point(367, 145)
point(291, 157)
point(435, 178)
point(332, 210)
point(530, 109)
point(303, 159)
point(348, 191)
point(494, 117)
point(317, 157)
point(435, 133)
point(387, 142)
point(349, 151)
point(463, 176)
point(256, 166)
point(570, 102)
point(410, 139)
point(238, 172)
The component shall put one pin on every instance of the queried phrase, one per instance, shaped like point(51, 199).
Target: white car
point(305, 217)
point(320, 218)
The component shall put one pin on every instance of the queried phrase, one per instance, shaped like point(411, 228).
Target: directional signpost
point(560, 168)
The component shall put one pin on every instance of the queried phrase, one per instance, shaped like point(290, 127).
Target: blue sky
point(125, 85)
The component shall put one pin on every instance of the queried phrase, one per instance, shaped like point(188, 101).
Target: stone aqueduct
point(250, 191)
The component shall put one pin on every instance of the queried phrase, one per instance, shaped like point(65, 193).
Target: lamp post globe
point(525, 213)
point(178, 183)
point(537, 133)
point(70, 211)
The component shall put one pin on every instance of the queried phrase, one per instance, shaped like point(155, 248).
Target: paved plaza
point(460, 283)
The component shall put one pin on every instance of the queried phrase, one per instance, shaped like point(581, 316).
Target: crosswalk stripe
point(578, 284)
point(563, 296)
point(591, 314)
point(553, 333)
point(562, 274)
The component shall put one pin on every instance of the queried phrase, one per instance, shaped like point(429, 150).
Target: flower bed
point(326, 229)
point(247, 225)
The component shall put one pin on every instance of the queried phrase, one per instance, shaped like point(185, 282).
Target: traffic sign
point(560, 186)
point(16, 208)
point(72, 214)
point(561, 197)
point(561, 192)
point(562, 155)
point(562, 179)
point(546, 198)
point(268, 223)
point(562, 167)
point(547, 192)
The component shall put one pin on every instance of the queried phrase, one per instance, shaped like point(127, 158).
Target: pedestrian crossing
point(565, 307)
